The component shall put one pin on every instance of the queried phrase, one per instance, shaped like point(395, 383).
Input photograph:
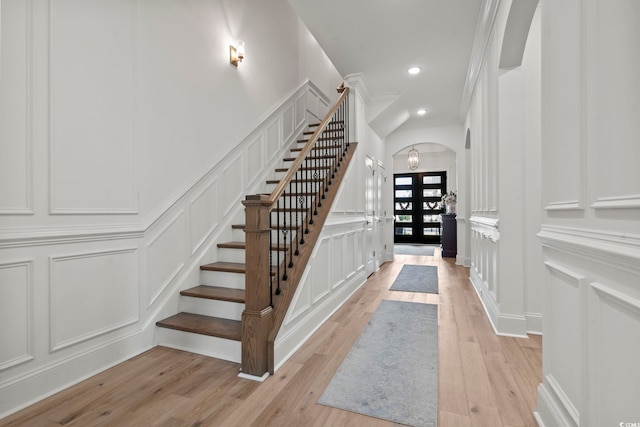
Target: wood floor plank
point(484, 379)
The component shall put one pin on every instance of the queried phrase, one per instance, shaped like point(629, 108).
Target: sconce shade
point(413, 160)
point(236, 53)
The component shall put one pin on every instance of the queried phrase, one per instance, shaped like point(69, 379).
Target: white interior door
point(379, 217)
point(370, 204)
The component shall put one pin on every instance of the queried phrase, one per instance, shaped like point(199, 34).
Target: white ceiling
point(381, 39)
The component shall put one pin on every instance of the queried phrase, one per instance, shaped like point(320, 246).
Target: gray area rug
point(404, 249)
point(417, 278)
point(391, 372)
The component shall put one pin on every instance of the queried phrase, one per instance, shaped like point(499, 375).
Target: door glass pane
point(404, 231)
point(431, 218)
point(404, 218)
point(435, 231)
point(404, 193)
point(431, 179)
point(429, 206)
point(432, 192)
point(404, 206)
point(404, 180)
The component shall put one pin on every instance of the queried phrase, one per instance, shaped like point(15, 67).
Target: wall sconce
point(236, 53)
point(413, 160)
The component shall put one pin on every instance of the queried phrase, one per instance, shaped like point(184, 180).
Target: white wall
point(591, 220)
point(126, 143)
point(504, 121)
point(430, 161)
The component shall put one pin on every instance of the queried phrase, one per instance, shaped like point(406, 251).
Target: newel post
point(257, 317)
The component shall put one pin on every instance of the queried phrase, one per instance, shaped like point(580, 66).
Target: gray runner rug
point(391, 372)
point(417, 278)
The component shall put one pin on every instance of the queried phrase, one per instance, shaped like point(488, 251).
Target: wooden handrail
point(277, 192)
point(262, 316)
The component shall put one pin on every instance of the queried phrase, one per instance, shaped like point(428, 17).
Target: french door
point(417, 206)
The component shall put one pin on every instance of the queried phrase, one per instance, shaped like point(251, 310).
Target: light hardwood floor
point(484, 380)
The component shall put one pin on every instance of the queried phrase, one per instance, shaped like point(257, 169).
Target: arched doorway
point(417, 192)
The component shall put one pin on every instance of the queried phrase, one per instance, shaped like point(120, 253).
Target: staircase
point(237, 310)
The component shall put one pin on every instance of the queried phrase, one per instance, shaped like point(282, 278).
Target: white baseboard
point(25, 390)
point(504, 324)
point(554, 408)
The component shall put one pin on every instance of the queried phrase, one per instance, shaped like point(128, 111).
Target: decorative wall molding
point(204, 206)
point(27, 121)
point(553, 403)
point(71, 290)
point(481, 39)
point(21, 323)
point(570, 205)
point(486, 227)
point(165, 263)
point(622, 202)
point(617, 249)
point(75, 150)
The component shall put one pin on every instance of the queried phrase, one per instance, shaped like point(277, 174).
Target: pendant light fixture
point(413, 160)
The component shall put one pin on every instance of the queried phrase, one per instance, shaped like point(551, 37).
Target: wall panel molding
point(618, 249)
point(16, 309)
point(622, 202)
point(106, 299)
point(204, 214)
point(165, 256)
point(16, 161)
point(91, 127)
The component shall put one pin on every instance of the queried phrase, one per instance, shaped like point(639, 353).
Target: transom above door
point(417, 206)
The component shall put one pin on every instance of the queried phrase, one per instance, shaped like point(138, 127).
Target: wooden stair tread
point(312, 168)
point(276, 181)
point(204, 325)
point(215, 293)
point(243, 245)
point(227, 267)
point(320, 157)
point(317, 147)
point(273, 227)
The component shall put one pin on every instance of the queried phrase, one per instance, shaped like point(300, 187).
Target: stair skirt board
point(220, 348)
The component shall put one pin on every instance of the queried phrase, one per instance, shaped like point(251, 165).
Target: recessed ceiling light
point(414, 70)
point(421, 112)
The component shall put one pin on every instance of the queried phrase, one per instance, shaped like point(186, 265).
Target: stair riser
point(234, 255)
point(239, 236)
point(222, 278)
point(209, 307)
point(219, 348)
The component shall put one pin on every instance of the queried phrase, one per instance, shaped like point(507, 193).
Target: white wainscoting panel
point(288, 122)
point(165, 256)
point(563, 151)
point(233, 183)
point(255, 158)
point(15, 108)
point(16, 294)
point(91, 124)
point(204, 214)
point(273, 138)
point(564, 288)
point(349, 254)
point(322, 270)
point(613, 348)
point(92, 294)
point(612, 106)
point(337, 260)
point(300, 115)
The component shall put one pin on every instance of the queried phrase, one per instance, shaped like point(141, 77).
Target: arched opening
point(418, 191)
